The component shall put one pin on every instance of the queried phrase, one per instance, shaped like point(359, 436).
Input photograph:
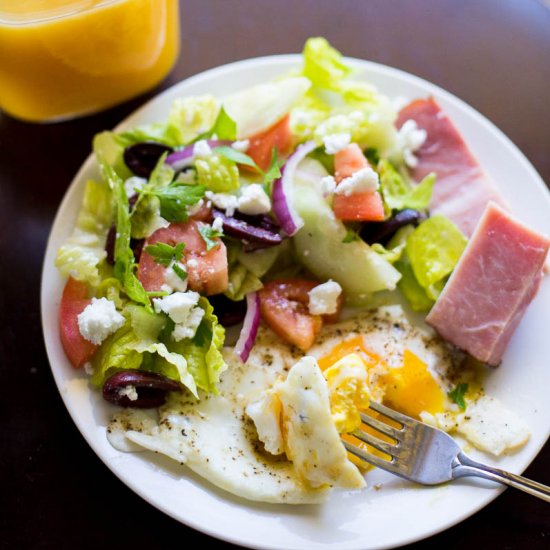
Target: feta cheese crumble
point(182, 308)
point(336, 142)
point(133, 185)
point(99, 320)
point(217, 225)
point(172, 281)
point(327, 185)
point(241, 145)
point(223, 201)
point(409, 139)
point(201, 149)
point(128, 391)
point(254, 200)
point(323, 299)
point(363, 181)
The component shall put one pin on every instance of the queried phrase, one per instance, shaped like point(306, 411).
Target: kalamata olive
point(229, 313)
point(110, 245)
point(381, 232)
point(151, 389)
point(255, 231)
point(141, 158)
point(137, 246)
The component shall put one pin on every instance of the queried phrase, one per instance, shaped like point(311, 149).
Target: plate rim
point(217, 72)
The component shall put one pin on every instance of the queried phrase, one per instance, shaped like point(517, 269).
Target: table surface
point(55, 492)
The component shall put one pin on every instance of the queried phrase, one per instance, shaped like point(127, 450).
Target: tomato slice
point(284, 307)
point(207, 271)
point(262, 144)
point(74, 300)
point(366, 207)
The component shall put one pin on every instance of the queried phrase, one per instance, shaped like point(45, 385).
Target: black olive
point(151, 389)
point(229, 313)
point(381, 232)
point(110, 245)
point(142, 158)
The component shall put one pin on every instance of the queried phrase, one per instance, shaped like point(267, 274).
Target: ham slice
point(462, 189)
point(494, 281)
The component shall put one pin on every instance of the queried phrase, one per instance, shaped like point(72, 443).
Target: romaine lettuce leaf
point(116, 352)
point(398, 194)
point(410, 288)
point(190, 117)
point(433, 249)
point(204, 359)
point(217, 173)
point(323, 64)
point(108, 150)
point(82, 253)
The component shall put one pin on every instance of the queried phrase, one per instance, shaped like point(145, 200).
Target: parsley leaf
point(208, 235)
point(164, 253)
point(457, 395)
point(234, 155)
point(224, 128)
point(274, 170)
point(179, 271)
point(176, 198)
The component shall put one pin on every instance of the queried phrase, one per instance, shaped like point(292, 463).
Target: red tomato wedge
point(74, 300)
point(360, 207)
point(284, 307)
point(206, 271)
point(366, 207)
point(262, 144)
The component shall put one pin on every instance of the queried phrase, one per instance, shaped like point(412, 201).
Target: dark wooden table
point(54, 491)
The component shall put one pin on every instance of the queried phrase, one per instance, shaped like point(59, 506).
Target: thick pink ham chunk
point(462, 190)
point(493, 283)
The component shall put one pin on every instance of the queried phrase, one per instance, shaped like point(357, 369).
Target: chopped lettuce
point(190, 117)
point(147, 132)
point(323, 64)
point(108, 151)
point(116, 353)
point(337, 103)
point(398, 194)
point(241, 282)
point(203, 352)
point(410, 288)
point(82, 253)
point(146, 324)
point(433, 249)
point(217, 173)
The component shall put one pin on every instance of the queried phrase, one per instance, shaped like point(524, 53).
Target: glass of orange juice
point(61, 59)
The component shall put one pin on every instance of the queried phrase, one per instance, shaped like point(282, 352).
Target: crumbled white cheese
point(196, 208)
point(323, 299)
point(363, 181)
point(188, 176)
point(223, 201)
point(128, 391)
point(201, 149)
point(327, 185)
point(254, 200)
point(98, 320)
point(133, 185)
point(188, 328)
point(409, 139)
point(88, 368)
point(173, 281)
point(217, 225)
point(241, 145)
point(336, 142)
point(192, 263)
point(182, 308)
point(490, 426)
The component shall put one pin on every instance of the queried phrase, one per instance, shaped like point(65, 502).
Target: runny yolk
point(353, 345)
point(412, 389)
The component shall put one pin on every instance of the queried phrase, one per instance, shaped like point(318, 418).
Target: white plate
point(399, 512)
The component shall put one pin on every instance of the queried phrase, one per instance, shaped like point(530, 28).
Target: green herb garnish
point(457, 395)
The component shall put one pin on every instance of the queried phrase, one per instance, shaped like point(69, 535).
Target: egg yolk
point(412, 389)
point(353, 345)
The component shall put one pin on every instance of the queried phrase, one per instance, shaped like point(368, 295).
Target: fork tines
point(393, 449)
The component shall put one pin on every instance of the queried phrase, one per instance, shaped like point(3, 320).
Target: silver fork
point(428, 455)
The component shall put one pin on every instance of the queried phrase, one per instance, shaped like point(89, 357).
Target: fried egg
point(272, 433)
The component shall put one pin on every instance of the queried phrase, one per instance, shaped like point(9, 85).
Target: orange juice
point(63, 58)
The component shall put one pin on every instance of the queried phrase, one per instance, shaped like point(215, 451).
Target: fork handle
point(465, 466)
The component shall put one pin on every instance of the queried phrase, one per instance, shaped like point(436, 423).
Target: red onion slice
point(281, 195)
point(250, 327)
point(184, 157)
